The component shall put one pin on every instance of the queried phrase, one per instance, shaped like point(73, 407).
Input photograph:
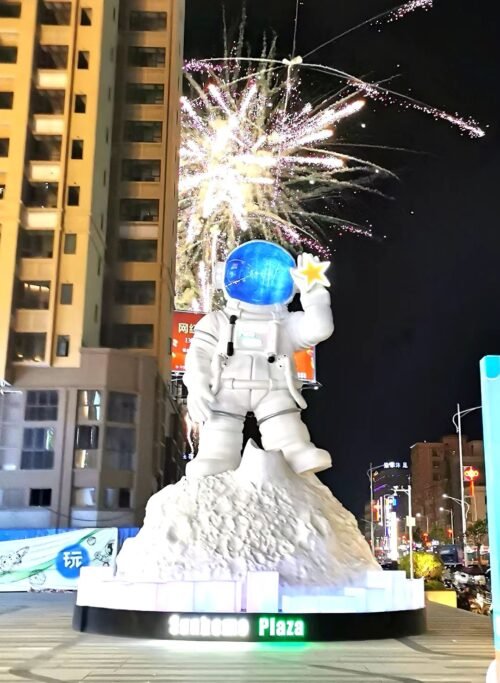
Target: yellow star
point(310, 269)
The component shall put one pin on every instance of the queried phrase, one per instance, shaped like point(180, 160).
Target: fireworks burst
point(256, 161)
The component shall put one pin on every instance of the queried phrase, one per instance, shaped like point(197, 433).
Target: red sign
point(183, 330)
point(470, 473)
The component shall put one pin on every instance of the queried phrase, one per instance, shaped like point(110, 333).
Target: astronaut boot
point(289, 434)
point(221, 439)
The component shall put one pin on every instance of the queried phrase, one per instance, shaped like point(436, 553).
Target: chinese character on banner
point(70, 560)
point(470, 473)
point(184, 323)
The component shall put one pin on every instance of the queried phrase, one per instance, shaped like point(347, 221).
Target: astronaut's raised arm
point(315, 323)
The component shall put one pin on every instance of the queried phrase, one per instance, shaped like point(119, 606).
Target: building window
point(34, 295)
point(146, 56)
point(144, 93)
point(38, 448)
point(133, 336)
point(144, 251)
point(45, 148)
point(10, 10)
point(116, 498)
point(41, 406)
point(74, 195)
point(11, 498)
point(66, 297)
point(119, 448)
point(2, 190)
point(141, 170)
point(4, 147)
point(77, 149)
point(140, 210)
point(96, 313)
point(40, 195)
point(62, 346)
point(82, 61)
point(70, 243)
point(52, 57)
point(135, 293)
point(86, 16)
point(143, 131)
point(40, 497)
point(29, 346)
point(36, 243)
point(80, 104)
point(6, 100)
point(8, 54)
point(147, 21)
point(85, 460)
point(89, 405)
point(87, 437)
point(99, 266)
point(10, 440)
point(122, 407)
point(55, 13)
point(83, 497)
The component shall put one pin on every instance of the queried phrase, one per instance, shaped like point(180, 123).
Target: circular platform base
point(246, 627)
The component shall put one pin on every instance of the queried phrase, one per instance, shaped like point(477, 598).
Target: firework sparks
point(403, 10)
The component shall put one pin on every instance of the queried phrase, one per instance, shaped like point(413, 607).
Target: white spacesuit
point(241, 360)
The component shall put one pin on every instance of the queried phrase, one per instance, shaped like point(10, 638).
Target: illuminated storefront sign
point(183, 329)
point(470, 473)
point(395, 465)
point(276, 627)
point(208, 627)
point(251, 627)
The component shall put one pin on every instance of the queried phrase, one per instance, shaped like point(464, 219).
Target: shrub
point(425, 566)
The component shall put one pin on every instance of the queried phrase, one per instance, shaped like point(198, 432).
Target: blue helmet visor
point(258, 272)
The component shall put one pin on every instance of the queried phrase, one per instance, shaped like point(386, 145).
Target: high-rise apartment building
point(89, 130)
point(435, 469)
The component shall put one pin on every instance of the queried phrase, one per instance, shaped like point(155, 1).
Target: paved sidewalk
point(37, 643)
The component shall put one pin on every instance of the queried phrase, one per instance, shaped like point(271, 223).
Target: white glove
point(310, 273)
point(198, 402)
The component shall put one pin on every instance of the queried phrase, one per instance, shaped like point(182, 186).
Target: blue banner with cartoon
point(53, 561)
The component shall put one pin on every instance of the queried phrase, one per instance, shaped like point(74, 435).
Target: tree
point(437, 533)
point(476, 533)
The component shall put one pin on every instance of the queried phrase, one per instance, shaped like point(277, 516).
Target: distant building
point(436, 472)
point(389, 508)
point(89, 136)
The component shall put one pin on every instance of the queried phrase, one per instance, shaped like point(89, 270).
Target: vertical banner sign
point(184, 323)
point(490, 395)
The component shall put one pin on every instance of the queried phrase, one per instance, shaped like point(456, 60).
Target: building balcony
point(44, 171)
point(134, 315)
point(35, 269)
point(45, 124)
point(31, 320)
point(54, 79)
point(139, 231)
point(40, 218)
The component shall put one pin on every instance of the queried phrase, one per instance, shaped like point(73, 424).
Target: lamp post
point(418, 515)
point(409, 519)
point(457, 421)
point(464, 505)
point(441, 509)
point(369, 474)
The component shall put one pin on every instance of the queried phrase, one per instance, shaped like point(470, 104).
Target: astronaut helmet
point(258, 273)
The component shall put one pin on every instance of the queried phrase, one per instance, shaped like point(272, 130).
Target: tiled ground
point(38, 644)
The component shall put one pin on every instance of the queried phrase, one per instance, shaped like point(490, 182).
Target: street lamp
point(459, 502)
point(418, 515)
point(369, 474)
point(410, 521)
point(457, 421)
point(452, 524)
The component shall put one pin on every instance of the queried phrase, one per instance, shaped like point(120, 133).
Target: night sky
point(416, 311)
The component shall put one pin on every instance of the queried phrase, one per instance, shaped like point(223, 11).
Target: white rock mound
point(261, 516)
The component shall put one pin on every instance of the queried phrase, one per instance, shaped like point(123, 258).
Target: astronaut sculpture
point(241, 358)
